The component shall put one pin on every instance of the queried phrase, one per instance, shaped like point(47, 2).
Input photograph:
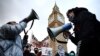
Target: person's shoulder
point(66, 54)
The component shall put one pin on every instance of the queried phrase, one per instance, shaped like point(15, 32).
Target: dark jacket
point(87, 30)
point(28, 54)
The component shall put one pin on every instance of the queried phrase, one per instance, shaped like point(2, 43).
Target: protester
point(10, 40)
point(86, 30)
point(27, 51)
point(37, 52)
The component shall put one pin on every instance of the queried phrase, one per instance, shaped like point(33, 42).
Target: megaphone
point(53, 32)
point(33, 15)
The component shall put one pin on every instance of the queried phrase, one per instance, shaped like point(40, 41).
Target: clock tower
point(57, 19)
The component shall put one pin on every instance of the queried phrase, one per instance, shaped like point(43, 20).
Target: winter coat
point(10, 40)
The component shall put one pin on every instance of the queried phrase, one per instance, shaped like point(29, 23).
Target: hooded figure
point(86, 30)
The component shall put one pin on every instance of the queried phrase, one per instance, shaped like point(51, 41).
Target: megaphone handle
point(66, 34)
point(65, 37)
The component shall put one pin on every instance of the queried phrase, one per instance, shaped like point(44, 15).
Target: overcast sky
point(16, 10)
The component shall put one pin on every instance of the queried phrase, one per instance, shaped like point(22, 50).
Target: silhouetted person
point(39, 53)
point(27, 51)
point(10, 40)
point(36, 51)
point(86, 30)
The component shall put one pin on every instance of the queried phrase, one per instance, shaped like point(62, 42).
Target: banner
point(46, 51)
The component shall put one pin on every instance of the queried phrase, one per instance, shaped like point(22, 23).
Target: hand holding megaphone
point(66, 34)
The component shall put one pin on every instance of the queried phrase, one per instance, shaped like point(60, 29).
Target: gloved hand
point(66, 34)
point(33, 15)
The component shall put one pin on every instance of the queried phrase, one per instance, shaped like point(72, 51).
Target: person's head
point(72, 53)
point(60, 47)
point(36, 50)
point(74, 12)
point(6, 31)
point(12, 23)
point(70, 15)
point(27, 48)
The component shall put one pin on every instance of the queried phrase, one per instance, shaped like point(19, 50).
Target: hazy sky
point(16, 10)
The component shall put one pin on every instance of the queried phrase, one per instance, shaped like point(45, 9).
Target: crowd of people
point(27, 51)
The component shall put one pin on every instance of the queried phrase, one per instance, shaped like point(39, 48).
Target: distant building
point(56, 19)
point(45, 42)
point(35, 42)
point(39, 44)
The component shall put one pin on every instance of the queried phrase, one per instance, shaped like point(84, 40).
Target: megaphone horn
point(34, 14)
point(53, 32)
